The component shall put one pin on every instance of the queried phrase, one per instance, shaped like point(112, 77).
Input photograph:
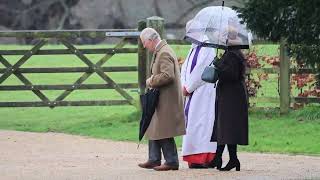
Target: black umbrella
point(149, 102)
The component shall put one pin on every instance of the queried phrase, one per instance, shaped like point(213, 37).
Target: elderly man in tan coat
point(168, 119)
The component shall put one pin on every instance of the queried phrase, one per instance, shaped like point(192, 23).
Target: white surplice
point(201, 112)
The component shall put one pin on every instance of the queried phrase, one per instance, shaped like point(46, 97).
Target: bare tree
point(65, 15)
point(181, 19)
point(157, 8)
point(35, 14)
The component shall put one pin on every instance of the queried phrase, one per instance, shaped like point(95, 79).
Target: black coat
point(231, 114)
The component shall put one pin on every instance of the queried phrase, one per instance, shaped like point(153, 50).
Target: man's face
point(148, 44)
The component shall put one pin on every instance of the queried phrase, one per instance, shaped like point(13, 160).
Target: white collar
point(158, 44)
point(193, 45)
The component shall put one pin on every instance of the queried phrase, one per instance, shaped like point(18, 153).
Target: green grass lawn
point(295, 133)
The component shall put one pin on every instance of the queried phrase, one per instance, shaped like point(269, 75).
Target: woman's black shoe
point(216, 162)
point(232, 164)
point(197, 166)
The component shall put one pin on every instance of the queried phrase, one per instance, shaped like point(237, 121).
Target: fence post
point(142, 60)
point(284, 78)
point(156, 23)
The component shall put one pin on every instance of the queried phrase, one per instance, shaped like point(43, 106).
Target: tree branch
point(121, 8)
point(157, 8)
point(195, 6)
point(191, 2)
point(65, 14)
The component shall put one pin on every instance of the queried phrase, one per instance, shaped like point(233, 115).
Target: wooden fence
point(144, 59)
point(64, 37)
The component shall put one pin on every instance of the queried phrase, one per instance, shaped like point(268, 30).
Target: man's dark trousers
point(169, 149)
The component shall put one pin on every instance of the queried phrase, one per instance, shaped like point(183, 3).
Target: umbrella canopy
point(218, 27)
point(149, 102)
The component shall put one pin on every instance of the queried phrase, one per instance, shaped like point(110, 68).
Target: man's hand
point(185, 92)
point(148, 82)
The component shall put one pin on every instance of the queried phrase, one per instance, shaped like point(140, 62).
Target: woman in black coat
point(231, 117)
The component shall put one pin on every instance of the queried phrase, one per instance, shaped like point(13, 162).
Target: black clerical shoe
point(198, 166)
point(216, 162)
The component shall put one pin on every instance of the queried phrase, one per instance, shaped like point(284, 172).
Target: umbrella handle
point(151, 89)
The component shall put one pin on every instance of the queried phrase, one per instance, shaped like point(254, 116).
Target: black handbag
point(210, 73)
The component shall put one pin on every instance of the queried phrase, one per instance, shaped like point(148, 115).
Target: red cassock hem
point(199, 158)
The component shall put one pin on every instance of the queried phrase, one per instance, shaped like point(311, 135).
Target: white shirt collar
point(158, 44)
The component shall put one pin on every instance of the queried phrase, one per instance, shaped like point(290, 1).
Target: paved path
point(25, 155)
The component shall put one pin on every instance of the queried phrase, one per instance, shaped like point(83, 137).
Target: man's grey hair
point(149, 33)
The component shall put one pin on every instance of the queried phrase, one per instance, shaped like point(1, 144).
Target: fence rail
point(73, 69)
point(66, 51)
point(91, 33)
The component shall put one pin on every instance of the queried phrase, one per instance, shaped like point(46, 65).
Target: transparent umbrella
point(218, 27)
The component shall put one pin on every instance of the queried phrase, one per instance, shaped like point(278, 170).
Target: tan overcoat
point(168, 119)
